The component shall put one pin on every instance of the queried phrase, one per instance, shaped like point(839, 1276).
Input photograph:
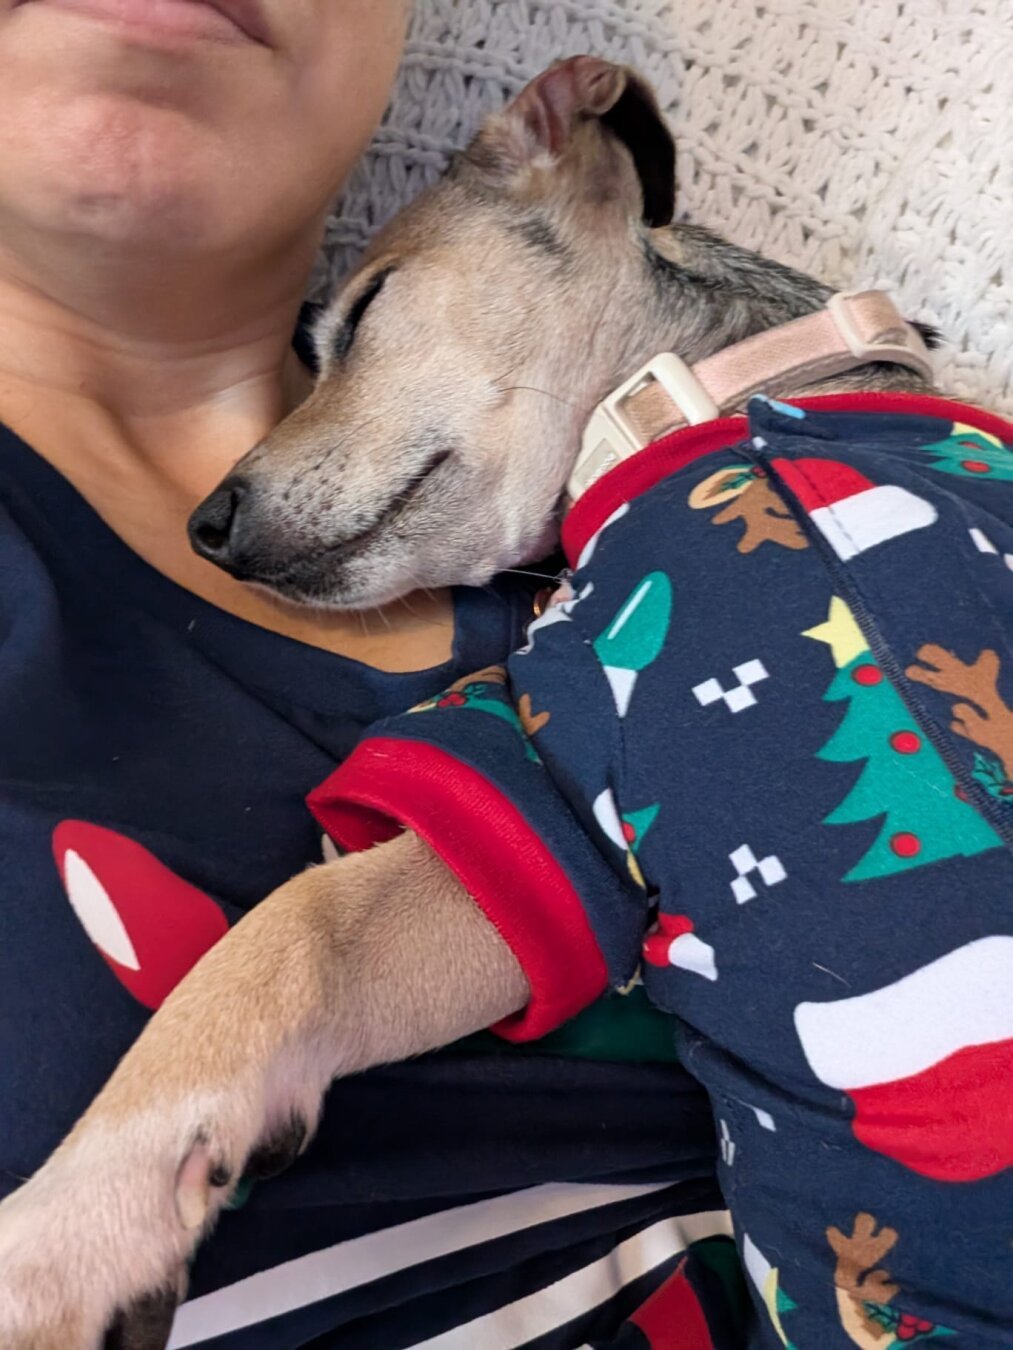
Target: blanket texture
point(865, 141)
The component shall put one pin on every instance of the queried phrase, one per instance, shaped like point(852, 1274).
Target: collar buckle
point(611, 436)
point(899, 343)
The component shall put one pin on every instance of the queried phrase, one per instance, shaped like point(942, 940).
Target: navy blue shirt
point(155, 754)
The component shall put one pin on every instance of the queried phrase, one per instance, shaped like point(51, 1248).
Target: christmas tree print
point(626, 830)
point(766, 1279)
point(904, 781)
point(635, 825)
point(635, 637)
point(970, 453)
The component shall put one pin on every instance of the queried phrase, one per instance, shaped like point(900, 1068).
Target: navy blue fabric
point(132, 706)
point(776, 709)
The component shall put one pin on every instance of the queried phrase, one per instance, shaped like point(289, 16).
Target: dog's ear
point(546, 116)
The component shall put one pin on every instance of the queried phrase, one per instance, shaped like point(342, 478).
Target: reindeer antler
point(531, 721)
point(985, 719)
point(490, 675)
point(857, 1271)
point(862, 1286)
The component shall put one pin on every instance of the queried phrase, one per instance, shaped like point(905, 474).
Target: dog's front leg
point(371, 959)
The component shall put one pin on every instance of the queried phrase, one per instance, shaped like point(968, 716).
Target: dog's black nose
point(212, 526)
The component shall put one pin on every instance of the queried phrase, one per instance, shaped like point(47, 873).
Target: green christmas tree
point(970, 453)
point(635, 825)
point(904, 779)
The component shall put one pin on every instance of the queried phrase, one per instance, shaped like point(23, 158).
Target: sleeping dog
point(757, 753)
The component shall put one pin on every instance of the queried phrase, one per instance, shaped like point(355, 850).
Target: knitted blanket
point(865, 141)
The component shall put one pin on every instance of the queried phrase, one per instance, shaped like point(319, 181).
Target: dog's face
point(460, 364)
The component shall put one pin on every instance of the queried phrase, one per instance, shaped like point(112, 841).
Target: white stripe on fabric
point(539, 1313)
point(347, 1265)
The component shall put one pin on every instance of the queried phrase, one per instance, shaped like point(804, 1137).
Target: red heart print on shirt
point(149, 925)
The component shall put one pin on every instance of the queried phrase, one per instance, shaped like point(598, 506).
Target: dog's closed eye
point(344, 336)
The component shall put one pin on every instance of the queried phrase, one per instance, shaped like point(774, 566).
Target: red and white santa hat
point(927, 1061)
point(849, 510)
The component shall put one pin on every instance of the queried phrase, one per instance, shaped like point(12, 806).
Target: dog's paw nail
point(145, 1325)
point(220, 1176)
point(278, 1151)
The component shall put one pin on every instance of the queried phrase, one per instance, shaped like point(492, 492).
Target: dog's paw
point(94, 1248)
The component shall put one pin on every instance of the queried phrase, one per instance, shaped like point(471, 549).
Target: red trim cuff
point(387, 785)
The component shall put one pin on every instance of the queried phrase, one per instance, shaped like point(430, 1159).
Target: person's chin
point(115, 169)
point(180, 27)
point(83, 151)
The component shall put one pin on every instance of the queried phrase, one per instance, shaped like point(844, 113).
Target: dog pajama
point(758, 755)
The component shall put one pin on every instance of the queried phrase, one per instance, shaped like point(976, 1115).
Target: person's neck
point(144, 384)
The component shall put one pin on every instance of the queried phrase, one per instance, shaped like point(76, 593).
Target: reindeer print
point(751, 499)
point(531, 721)
point(865, 1289)
point(982, 717)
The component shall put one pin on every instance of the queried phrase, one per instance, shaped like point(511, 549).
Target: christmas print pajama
point(758, 754)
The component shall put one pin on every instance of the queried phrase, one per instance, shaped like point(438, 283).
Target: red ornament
point(906, 742)
point(906, 845)
point(629, 833)
point(454, 700)
point(867, 674)
point(973, 465)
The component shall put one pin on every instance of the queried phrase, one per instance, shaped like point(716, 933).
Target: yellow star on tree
point(962, 429)
point(841, 634)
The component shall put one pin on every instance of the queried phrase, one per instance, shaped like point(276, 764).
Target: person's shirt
point(155, 754)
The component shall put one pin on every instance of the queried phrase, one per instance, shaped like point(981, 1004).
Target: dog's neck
point(710, 294)
point(741, 326)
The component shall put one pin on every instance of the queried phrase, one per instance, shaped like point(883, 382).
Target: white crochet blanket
point(865, 141)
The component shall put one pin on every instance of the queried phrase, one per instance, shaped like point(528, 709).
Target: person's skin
point(161, 201)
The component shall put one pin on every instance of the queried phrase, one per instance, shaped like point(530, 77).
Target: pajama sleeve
point(510, 777)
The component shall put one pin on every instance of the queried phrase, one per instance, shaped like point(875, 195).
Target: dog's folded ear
point(549, 118)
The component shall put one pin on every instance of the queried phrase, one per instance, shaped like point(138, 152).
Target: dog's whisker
point(534, 389)
point(524, 572)
point(420, 589)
